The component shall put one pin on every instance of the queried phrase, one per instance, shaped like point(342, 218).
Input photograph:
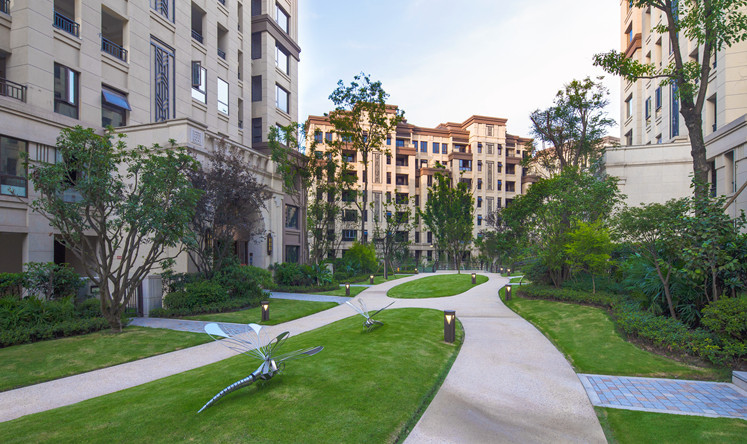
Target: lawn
point(380, 279)
point(435, 286)
point(629, 426)
point(27, 364)
point(281, 310)
point(354, 291)
point(363, 387)
point(587, 336)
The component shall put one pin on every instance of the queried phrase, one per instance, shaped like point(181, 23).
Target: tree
point(589, 248)
point(712, 25)
point(544, 217)
point(449, 215)
point(120, 211)
point(362, 122)
point(497, 242)
point(574, 126)
point(229, 209)
point(654, 231)
point(391, 233)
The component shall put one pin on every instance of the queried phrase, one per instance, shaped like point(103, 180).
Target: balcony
point(113, 49)
point(222, 54)
point(65, 24)
point(197, 36)
point(12, 89)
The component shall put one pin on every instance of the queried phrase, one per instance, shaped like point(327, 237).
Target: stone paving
point(701, 398)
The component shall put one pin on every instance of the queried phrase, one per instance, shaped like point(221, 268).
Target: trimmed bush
point(307, 288)
point(727, 317)
point(291, 274)
point(52, 281)
point(194, 295)
point(11, 285)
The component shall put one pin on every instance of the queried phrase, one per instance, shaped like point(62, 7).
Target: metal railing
point(222, 2)
point(222, 54)
point(13, 185)
point(197, 36)
point(12, 89)
point(65, 24)
point(5, 6)
point(113, 49)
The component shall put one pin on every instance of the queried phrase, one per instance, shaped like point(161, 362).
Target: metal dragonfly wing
point(249, 342)
point(370, 322)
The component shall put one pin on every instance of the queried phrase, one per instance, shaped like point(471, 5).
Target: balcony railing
point(5, 6)
point(65, 24)
point(113, 49)
point(222, 2)
point(197, 36)
point(12, 89)
point(222, 54)
point(11, 185)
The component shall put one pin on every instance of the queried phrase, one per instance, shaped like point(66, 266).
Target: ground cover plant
point(363, 387)
point(27, 364)
point(587, 337)
point(281, 310)
point(435, 286)
point(629, 426)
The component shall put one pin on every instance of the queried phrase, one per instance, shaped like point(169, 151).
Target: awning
point(116, 99)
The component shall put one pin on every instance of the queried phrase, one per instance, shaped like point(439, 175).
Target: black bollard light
point(508, 272)
point(416, 271)
point(265, 311)
point(449, 325)
point(347, 289)
point(508, 292)
point(474, 278)
point(370, 279)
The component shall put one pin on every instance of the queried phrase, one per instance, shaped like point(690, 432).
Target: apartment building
point(203, 73)
point(654, 162)
point(477, 151)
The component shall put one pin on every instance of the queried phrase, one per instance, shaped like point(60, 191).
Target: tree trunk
point(667, 294)
point(593, 285)
point(713, 283)
point(694, 124)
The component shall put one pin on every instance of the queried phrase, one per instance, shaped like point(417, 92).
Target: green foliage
point(11, 285)
point(448, 214)
point(32, 319)
point(135, 202)
point(290, 273)
point(51, 281)
point(589, 248)
point(727, 317)
point(194, 295)
point(361, 258)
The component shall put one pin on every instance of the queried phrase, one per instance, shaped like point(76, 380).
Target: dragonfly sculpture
point(370, 322)
point(249, 342)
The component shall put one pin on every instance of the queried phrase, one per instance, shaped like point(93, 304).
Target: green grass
point(629, 426)
point(354, 291)
point(435, 286)
point(516, 280)
point(587, 336)
point(363, 387)
point(380, 279)
point(26, 364)
point(281, 310)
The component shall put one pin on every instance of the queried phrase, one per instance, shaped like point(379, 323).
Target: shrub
point(52, 281)
point(196, 294)
point(727, 317)
point(11, 285)
point(291, 274)
point(361, 257)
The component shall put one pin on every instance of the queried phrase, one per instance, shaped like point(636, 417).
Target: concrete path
point(309, 297)
point(508, 384)
point(176, 324)
point(715, 399)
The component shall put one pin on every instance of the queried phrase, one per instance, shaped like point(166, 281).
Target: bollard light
point(474, 278)
point(416, 271)
point(508, 272)
point(370, 279)
point(449, 325)
point(347, 289)
point(397, 269)
point(508, 292)
point(265, 311)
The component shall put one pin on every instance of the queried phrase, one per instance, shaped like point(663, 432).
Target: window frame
point(5, 189)
point(218, 95)
point(278, 12)
point(196, 91)
point(74, 101)
point(278, 98)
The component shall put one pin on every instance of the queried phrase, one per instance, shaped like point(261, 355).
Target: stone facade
point(203, 73)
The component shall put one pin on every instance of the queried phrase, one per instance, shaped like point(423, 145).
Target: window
point(389, 178)
point(423, 147)
point(479, 219)
point(162, 90)
point(401, 236)
point(257, 130)
point(429, 237)
point(499, 185)
point(66, 90)
point(281, 59)
point(489, 129)
point(348, 196)
point(479, 202)
point(12, 172)
point(282, 134)
point(282, 18)
point(222, 96)
point(657, 98)
point(388, 140)
point(318, 136)
point(490, 175)
point(510, 169)
point(675, 113)
point(629, 107)
point(199, 82)
point(399, 143)
point(328, 137)
point(417, 201)
point(388, 159)
point(114, 107)
point(444, 148)
point(465, 165)
point(256, 88)
point(291, 216)
point(436, 147)
point(256, 7)
point(479, 148)
point(499, 167)
point(479, 165)
point(349, 216)
point(479, 184)
point(281, 99)
point(417, 237)
point(629, 138)
point(164, 7)
point(658, 139)
point(648, 108)
point(256, 45)
point(291, 253)
point(349, 235)
point(401, 179)
point(510, 186)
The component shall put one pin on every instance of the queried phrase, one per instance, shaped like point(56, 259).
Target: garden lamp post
point(416, 271)
point(449, 325)
point(265, 310)
point(347, 289)
point(508, 292)
point(474, 278)
point(370, 279)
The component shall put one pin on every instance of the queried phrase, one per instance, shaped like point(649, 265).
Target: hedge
point(660, 331)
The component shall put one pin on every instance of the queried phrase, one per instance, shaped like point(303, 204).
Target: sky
point(443, 61)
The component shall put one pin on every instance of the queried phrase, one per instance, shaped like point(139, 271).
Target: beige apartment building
point(204, 73)
point(654, 162)
point(477, 151)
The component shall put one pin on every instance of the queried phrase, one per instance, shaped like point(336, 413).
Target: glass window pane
point(222, 96)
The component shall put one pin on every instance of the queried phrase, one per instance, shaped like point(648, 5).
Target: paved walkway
point(176, 324)
point(714, 399)
point(508, 383)
point(309, 297)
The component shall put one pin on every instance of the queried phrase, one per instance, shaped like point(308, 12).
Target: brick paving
point(714, 399)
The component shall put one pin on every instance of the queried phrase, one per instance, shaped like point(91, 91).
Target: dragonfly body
point(370, 322)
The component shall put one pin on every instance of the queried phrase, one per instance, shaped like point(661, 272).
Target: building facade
point(204, 73)
point(654, 162)
point(477, 151)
